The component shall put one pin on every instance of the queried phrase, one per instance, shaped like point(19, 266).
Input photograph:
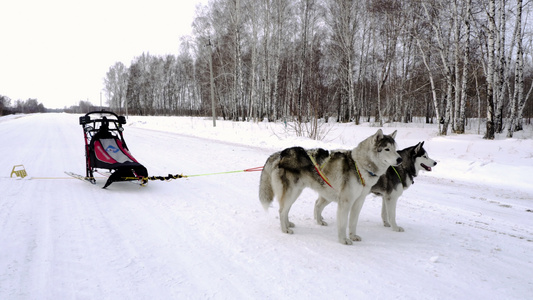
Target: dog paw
point(386, 224)
point(288, 231)
point(346, 241)
point(321, 222)
point(398, 229)
point(355, 237)
point(291, 224)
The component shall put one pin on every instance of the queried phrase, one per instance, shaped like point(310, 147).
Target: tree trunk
point(499, 75)
point(490, 130)
point(253, 65)
point(443, 52)
point(432, 82)
point(518, 96)
point(279, 31)
point(457, 56)
point(466, 63)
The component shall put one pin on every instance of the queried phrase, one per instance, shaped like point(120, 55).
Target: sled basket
point(105, 148)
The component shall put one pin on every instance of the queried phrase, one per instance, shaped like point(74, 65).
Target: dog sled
point(105, 148)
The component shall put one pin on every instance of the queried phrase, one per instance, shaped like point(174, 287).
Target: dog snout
point(399, 160)
point(435, 163)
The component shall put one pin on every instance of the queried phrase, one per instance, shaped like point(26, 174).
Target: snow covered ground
point(468, 224)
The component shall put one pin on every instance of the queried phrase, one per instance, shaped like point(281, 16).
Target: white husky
point(344, 176)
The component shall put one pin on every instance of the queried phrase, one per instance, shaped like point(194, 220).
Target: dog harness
point(317, 168)
point(359, 173)
point(399, 177)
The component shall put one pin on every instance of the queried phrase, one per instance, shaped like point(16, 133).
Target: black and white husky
point(343, 176)
point(391, 185)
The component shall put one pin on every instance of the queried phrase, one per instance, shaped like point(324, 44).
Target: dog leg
point(285, 203)
point(391, 212)
point(354, 217)
point(284, 220)
point(320, 204)
point(343, 209)
point(384, 212)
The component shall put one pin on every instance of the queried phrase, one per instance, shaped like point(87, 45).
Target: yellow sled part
point(19, 171)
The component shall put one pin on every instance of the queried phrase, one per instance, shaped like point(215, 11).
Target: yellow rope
point(166, 178)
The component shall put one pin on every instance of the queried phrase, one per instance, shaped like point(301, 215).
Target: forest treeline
point(28, 106)
point(353, 60)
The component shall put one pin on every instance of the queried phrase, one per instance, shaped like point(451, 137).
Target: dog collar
point(371, 174)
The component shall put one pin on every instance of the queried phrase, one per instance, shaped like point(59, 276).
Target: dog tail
point(266, 191)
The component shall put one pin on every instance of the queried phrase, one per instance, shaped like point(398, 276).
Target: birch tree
point(343, 26)
point(115, 85)
point(386, 16)
point(491, 13)
point(239, 85)
point(443, 51)
point(500, 67)
point(461, 79)
point(518, 100)
point(282, 11)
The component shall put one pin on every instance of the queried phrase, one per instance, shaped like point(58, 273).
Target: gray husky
point(343, 176)
point(391, 185)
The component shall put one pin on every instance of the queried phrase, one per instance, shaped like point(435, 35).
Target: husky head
point(422, 160)
point(385, 148)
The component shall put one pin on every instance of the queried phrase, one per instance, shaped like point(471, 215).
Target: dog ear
point(418, 147)
point(393, 135)
point(379, 135)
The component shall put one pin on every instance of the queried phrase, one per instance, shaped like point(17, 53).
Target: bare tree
point(500, 67)
point(282, 12)
point(343, 27)
point(115, 86)
point(491, 14)
point(518, 100)
point(461, 79)
point(239, 85)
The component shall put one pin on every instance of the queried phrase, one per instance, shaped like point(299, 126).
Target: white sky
point(58, 51)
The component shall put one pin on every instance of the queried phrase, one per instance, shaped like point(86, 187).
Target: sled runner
point(105, 148)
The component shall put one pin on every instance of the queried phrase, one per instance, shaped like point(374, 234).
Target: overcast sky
point(58, 51)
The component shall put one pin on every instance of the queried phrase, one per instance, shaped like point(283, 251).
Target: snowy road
point(208, 237)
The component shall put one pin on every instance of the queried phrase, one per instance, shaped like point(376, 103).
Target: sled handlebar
point(87, 119)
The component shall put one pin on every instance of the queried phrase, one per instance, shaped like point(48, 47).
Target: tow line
point(177, 176)
point(20, 172)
